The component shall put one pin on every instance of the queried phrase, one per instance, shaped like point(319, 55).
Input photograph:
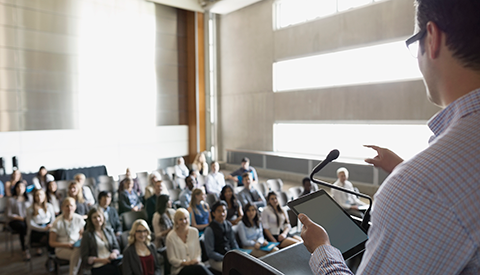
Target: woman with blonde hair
point(75, 192)
point(86, 191)
point(139, 258)
point(40, 217)
point(200, 164)
point(183, 247)
point(199, 210)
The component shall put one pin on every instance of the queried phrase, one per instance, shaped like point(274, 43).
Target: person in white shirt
point(66, 231)
point(183, 247)
point(348, 202)
point(181, 170)
point(87, 192)
point(41, 179)
point(40, 217)
point(215, 180)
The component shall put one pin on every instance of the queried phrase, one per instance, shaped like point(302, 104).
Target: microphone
point(333, 155)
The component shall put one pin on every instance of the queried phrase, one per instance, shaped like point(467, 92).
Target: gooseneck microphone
point(333, 155)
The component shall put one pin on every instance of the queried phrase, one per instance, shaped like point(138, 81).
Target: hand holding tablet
point(313, 235)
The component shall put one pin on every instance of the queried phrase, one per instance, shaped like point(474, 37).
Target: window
point(406, 139)
point(291, 12)
point(380, 63)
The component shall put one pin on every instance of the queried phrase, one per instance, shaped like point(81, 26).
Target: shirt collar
point(458, 109)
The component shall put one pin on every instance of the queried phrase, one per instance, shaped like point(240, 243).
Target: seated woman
point(41, 179)
point(136, 185)
point(200, 164)
point(219, 236)
point(99, 248)
point(183, 247)
point(40, 217)
point(128, 199)
point(76, 193)
point(250, 231)
point(17, 213)
point(162, 221)
point(53, 197)
point(276, 224)
point(199, 209)
point(15, 177)
point(86, 191)
point(139, 258)
point(234, 209)
point(66, 230)
point(181, 170)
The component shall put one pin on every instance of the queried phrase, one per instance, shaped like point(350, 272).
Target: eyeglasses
point(413, 42)
point(142, 231)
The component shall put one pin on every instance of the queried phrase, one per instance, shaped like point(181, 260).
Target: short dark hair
point(216, 205)
point(305, 180)
point(245, 159)
point(103, 194)
point(460, 20)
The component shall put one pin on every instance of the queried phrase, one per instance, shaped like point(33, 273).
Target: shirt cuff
point(327, 259)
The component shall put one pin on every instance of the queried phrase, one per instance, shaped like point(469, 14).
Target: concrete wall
point(248, 46)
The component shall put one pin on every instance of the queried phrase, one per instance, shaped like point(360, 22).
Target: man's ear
point(433, 41)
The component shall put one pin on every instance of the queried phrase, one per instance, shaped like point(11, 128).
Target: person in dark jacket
point(139, 258)
point(99, 248)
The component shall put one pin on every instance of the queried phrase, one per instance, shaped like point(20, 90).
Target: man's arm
point(385, 159)
point(210, 244)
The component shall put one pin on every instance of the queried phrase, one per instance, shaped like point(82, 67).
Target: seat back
point(282, 198)
point(168, 184)
point(275, 184)
point(211, 199)
point(295, 192)
point(131, 216)
point(174, 194)
point(62, 184)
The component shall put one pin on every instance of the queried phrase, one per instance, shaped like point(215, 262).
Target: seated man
point(219, 236)
point(215, 180)
point(307, 186)
point(186, 194)
point(236, 176)
point(150, 204)
point(250, 194)
point(347, 201)
point(128, 199)
point(110, 213)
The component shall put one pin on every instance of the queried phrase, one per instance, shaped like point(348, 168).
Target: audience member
point(140, 256)
point(110, 213)
point(41, 179)
point(237, 175)
point(348, 202)
point(276, 224)
point(250, 194)
point(66, 231)
point(2, 189)
point(234, 208)
point(99, 248)
point(150, 204)
point(40, 217)
point(15, 177)
point(183, 247)
point(153, 178)
point(307, 186)
point(186, 194)
point(250, 231)
point(81, 207)
point(194, 174)
point(136, 185)
point(162, 221)
point(128, 199)
point(17, 213)
point(199, 210)
point(53, 197)
point(215, 181)
point(181, 170)
point(200, 164)
point(219, 236)
point(86, 191)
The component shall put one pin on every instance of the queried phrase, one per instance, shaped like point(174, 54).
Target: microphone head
point(333, 155)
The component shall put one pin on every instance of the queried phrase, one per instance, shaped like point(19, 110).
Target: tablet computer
point(344, 233)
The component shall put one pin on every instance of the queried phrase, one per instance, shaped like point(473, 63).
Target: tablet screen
point(343, 232)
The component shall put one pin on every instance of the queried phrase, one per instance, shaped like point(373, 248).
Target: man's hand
point(385, 159)
point(313, 235)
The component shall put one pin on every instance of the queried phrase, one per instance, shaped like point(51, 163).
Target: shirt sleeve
point(326, 259)
point(243, 236)
point(210, 244)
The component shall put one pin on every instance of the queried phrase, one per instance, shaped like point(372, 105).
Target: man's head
point(342, 174)
point(215, 167)
point(219, 211)
point(449, 47)
point(245, 163)
point(104, 198)
point(307, 184)
point(189, 181)
point(247, 179)
point(158, 187)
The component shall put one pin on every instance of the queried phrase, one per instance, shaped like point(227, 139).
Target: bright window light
point(291, 12)
point(390, 62)
point(405, 139)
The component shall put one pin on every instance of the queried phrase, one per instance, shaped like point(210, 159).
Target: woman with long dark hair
point(162, 221)
point(99, 248)
point(276, 224)
point(17, 214)
point(53, 197)
point(234, 209)
point(41, 179)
